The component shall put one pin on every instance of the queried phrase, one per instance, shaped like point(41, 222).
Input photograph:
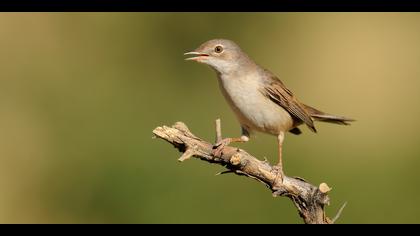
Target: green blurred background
point(80, 94)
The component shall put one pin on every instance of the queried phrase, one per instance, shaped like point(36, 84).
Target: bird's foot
point(218, 147)
point(278, 169)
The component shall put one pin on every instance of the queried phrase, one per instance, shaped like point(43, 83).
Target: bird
point(258, 98)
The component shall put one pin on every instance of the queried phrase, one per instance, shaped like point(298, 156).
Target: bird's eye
point(218, 49)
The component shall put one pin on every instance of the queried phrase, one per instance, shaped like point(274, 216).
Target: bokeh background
point(80, 94)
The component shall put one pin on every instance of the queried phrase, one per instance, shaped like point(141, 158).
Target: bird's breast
point(252, 108)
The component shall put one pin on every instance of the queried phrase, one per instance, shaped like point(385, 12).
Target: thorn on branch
point(187, 155)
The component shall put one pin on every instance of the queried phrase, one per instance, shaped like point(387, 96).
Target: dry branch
point(308, 199)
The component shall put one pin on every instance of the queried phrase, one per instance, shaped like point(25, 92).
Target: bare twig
point(308, 199)
point(339, 212)
point(225, 172)
point(218, 131)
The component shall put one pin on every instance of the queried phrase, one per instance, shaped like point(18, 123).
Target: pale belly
point(253, 109)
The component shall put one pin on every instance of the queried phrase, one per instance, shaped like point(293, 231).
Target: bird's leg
point(279, 166)
point(218, 147)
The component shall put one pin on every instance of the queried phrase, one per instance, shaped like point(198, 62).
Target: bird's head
point(222, 55)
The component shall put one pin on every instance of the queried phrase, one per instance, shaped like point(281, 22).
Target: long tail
point(324, 117)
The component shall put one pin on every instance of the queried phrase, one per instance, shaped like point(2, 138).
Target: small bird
point(260, 101)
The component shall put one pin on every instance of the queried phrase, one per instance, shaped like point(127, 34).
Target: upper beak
point(199, 55)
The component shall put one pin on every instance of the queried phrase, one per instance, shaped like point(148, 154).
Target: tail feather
point(341, 120)
point(324, 117)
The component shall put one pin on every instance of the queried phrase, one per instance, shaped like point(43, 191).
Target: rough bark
point(309, 200)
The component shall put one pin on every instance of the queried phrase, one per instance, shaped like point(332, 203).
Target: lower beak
point(198, 56)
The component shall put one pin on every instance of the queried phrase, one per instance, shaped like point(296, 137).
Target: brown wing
point(278, 93)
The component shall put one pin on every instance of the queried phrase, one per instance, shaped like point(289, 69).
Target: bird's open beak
point(198, 56)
